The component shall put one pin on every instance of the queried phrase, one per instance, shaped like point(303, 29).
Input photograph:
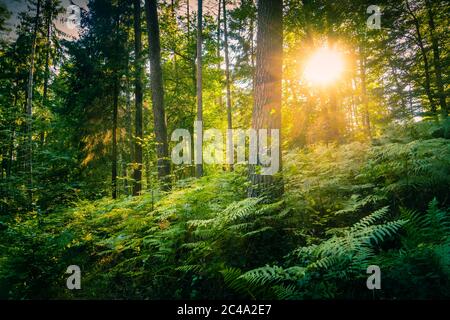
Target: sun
point(324, 67)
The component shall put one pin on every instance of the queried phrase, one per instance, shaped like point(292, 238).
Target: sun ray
point(324, 66)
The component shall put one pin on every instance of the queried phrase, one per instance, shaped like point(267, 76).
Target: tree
point(362, 74)
point(267, 96)
point(199, 166)
point(29, 107)
point(137, 174)
point(227, 80)
point(156, 80)
point(420, 43)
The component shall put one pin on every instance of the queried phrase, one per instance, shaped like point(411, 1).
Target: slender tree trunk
point(114, 138)
point(362, 70)
point(333, 116)
point(47, 60)
point(156, 80)
point(436, 60)
point(267, 97)
point(29, 106)
point(424, 57)
point(174, 51)
point(188, 35)
point(199, 166)
point(228, 86)
point(137, 174)
point(116, 92)
point(12, 138)
point(194, 78)
point(129, 125)
point(188, 17)
point(219, 99)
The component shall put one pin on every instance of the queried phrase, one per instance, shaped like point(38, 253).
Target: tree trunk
point(47, 60)
point(12, 138)
point(129, 125)
point(436, 60)
point(137, 174)
point(114, 138)
point(219, 99)
point(188, 36)
point(29, 106)
point(227, 79)
point(267, 97)
point(116, 92)
point(362, 70)
point(252, 51)
point(199, 166)
point(156, 80)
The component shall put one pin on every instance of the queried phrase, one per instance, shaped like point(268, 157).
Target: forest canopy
point(219, 149)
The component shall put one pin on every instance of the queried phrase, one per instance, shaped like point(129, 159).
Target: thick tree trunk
point(199, 166)
point(137, 174)
point(156, 80)
point(267, 96)
point(436, 60)
point(252, 51)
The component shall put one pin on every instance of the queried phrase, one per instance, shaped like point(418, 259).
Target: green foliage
point(368, 183)
point(339, 214)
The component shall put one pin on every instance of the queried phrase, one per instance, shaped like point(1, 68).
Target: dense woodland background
point(86, 177)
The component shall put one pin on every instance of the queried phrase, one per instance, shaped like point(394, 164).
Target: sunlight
point(324, 66)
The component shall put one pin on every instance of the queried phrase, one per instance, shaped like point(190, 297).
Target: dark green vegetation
point(85, 145)
point(344, 208)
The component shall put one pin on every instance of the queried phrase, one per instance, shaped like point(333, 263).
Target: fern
point(344, 256)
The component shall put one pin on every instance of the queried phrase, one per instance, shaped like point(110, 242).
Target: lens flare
point(324, 67)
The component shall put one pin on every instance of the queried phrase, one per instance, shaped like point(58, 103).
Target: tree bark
point(156, 80)
point(219, 99)
point(227, 79)
point(29, 106)
point(362, 70)
point(199, 166)
point(267, 97)
point(47, 59)
point(252, 51)
point(129, 125)
point(137, 174)
point(114, 138)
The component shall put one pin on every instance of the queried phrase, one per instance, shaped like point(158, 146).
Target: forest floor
point(345, 207)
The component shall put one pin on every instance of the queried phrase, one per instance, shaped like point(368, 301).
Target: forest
point(224, 149)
